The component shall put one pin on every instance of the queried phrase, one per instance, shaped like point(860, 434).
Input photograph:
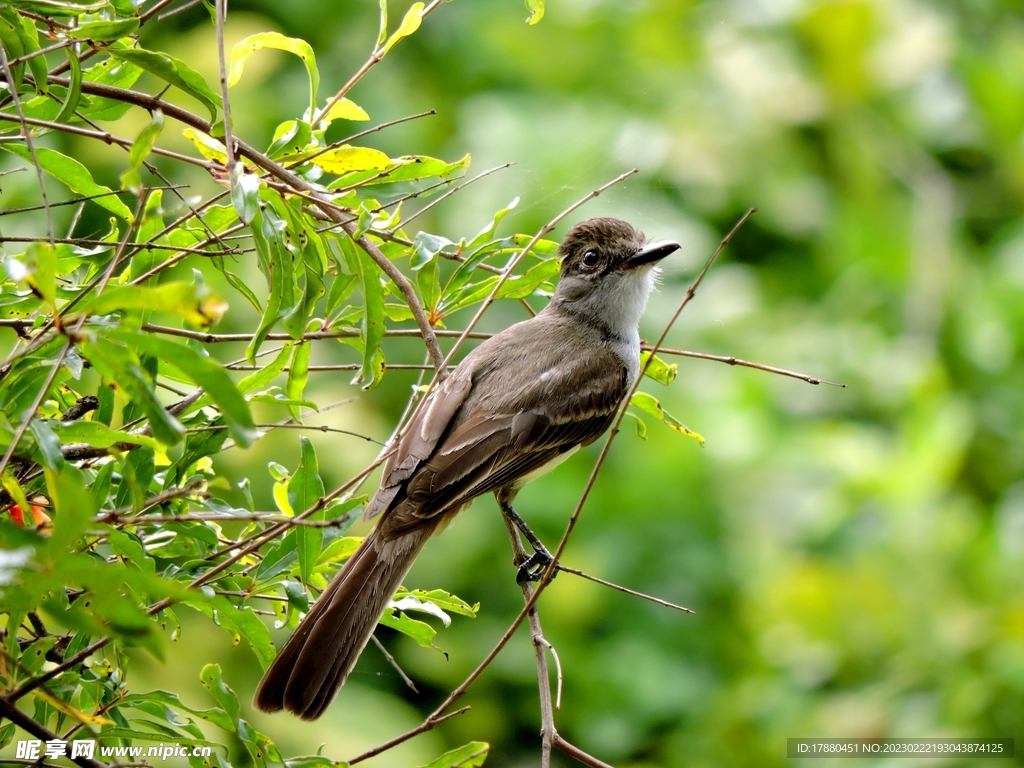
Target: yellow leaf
point(67, 709)
point(281, 498)
point(208, 147)
point(411, 22)
point(345, 110)
point(347, 159)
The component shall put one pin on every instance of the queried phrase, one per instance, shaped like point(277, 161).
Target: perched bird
point(516, 406)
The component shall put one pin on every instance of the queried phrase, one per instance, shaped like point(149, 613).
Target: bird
point(520, 403)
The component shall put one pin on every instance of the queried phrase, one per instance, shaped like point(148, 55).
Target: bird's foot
point(534, 566)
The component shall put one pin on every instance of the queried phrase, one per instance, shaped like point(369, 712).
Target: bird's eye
point(591, 259)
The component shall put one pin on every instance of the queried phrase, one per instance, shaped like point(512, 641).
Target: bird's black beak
point(651, 253)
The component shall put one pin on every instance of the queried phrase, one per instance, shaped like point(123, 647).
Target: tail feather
point(317, 659)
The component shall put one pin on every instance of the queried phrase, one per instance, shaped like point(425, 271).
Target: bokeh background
point(855, 557)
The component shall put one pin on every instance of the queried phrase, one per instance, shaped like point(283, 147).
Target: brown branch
point(428, 724)
point(107, 138)
point(394, 664)
point(620, 588)
point(730, 360)
point(375, 57)
point(9, 710)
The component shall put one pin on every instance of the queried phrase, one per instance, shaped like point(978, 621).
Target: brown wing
point(420, 438)
point(494, 446)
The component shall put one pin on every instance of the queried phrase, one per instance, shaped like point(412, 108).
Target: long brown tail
point(315, 661)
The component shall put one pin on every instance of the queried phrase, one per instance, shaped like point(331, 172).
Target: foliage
point(853, 555)
point(116, 519)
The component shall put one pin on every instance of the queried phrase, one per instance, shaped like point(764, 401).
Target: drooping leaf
point(74, 94)
point(101, 31)
point(410, 23)
point(244, 49)
point(74, 175)
point(99, 435)
point(659, 370)
point(194, 302)
point(298, 375)
point(203, 371)
point(173, 71)
point(536, 9)
point(649, 404)
point(208, 146)
point(121, 367)
point(140, 150)
point(304, 490)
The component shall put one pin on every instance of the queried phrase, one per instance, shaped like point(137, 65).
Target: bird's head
point(608, 271)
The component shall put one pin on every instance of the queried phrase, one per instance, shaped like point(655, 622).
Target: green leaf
point(35, 655)
point(73, 174)
point(13, 43)
point(304, 490)
point(410, 23)
point(659, 370)
point(205, 372)
point(488, 232)
point(339, 550)
point(276, 262)
point(100, 31)
point(649, 404)
point(212, 680)
point(290, 137)
point(48, 444)
point(298, 375)
point(140, 150)
point(244, 49)
point(268, 373)
point(518, 287)
point(444, 600)
point(99, 435)
point(245, 193)
point(74, 95)
point(41, 261)
point(383, 34)
point(348, 158)
point(373, 322)
point(469, 755)
point(419, 631)
point(173, 71)
point(194, 302)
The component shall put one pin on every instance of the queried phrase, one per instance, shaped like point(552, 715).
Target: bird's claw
point(534, 566)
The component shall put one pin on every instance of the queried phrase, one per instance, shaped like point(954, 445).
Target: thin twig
point(375, 57)
point(620, 588)
point(222, 12)
point(9, 710)
point(423, 727)
point(451, 192)
point(13, 90)
point(730, 360)
point(394, 664)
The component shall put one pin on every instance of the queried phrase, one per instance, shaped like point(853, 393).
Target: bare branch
point(13, 90)
point(633, 592)
point(394, 664)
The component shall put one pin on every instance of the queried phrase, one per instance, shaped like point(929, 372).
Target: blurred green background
point(854, 555)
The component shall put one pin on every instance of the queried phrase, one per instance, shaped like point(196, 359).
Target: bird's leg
point(532, 568)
